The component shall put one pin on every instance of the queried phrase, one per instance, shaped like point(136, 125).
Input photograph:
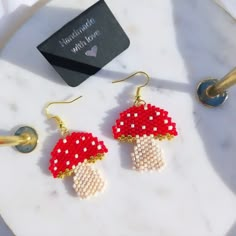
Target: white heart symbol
point(92, 52)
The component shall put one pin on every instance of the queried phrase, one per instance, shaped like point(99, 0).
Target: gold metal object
point(25, 139)
point(14, 140)
point(60, 123)
point(213, 92)
point(222, 85)
point(138, 101)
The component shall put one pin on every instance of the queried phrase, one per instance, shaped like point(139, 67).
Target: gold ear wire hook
point(138, 101)
point(60, 123)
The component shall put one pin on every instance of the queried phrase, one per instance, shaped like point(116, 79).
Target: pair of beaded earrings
point(141, 124)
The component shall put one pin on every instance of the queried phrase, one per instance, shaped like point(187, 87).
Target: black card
point(84, 45)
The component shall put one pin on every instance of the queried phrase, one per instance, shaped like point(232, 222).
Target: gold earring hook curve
point(138, 101)
point(60, 123)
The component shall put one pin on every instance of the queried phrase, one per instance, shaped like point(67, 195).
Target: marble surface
point(229, 6)
point(177, 43)
point(14, 14)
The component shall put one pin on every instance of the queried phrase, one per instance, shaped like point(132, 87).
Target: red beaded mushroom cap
point(73, 149)
point(144, 120)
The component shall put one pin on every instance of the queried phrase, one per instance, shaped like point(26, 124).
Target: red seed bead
point(73, 149)
point(144, 120)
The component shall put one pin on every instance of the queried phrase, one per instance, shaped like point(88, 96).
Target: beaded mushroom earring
point(74, 155)
point(143, 124)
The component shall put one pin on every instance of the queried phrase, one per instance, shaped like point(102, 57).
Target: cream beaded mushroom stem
point(147, 155)
point(87, 181)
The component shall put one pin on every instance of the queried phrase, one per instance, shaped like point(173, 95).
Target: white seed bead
point(64, 140)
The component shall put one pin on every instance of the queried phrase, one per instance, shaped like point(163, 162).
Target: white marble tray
point(177, 43)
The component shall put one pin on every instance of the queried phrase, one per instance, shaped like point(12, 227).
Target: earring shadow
point(110, 120)
point(48, 145)
point(68, 182)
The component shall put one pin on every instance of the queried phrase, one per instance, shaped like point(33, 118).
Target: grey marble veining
point(229, 6)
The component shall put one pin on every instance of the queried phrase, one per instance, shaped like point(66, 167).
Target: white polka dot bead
point(87, 181)
point(147, 155)
point(64, 140)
